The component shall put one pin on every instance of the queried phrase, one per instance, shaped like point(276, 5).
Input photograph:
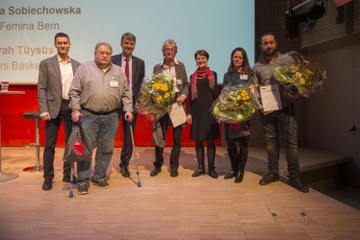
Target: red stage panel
point(17, 131)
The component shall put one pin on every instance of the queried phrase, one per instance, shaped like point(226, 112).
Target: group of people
point(100, 91)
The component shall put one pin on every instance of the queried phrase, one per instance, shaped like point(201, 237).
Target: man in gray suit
point(135, 69)
point(55, 76)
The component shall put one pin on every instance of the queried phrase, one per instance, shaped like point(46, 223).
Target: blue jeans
point(101, 129)
point(286, 122)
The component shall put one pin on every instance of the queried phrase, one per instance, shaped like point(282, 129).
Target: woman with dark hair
point(237, 135)
point(203, 92)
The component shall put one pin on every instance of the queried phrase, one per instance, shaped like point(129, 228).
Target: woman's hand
point(180, 99)
point(189, 119)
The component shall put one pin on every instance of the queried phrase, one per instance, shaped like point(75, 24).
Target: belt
point(98, 113)
point(65, 100)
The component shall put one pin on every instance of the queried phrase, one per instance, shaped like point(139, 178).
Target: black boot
point(232, 152)
point(242, 159)
point(296, 183)
point(239, 177)
point(200, 160)
point(211, 162)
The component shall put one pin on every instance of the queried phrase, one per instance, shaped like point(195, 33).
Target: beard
point(270, 52)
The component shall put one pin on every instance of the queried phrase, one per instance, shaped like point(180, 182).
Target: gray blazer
point(49, 88)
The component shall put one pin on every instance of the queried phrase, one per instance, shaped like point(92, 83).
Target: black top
point(204, 125)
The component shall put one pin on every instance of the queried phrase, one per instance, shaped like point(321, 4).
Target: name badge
point(178, 81)
point(243, 77)
point(114, 83)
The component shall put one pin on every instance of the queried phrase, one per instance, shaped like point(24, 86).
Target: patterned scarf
point(201, 73)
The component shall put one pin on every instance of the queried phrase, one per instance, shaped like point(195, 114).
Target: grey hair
point(170, 42)
point(102, 44)
point(129, 36)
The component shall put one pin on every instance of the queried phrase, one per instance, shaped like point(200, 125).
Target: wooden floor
point(170, 208)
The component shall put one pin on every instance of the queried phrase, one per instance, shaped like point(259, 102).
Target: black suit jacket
point(138, 73)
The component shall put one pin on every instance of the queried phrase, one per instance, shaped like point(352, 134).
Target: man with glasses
point(98, 90)
point(170, 66)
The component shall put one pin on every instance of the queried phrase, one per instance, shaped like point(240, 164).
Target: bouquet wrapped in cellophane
point(156, 95)
point(302, 76)
point(235, 104)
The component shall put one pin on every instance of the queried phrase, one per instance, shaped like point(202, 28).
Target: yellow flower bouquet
point(301, 76)
point(156, 95)
point(235, 104)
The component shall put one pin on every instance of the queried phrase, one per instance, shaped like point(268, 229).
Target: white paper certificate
point(177, 114)
point(270, 97)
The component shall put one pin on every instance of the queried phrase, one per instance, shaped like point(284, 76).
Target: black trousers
point(52, 128)
point(127, 147)
point(165, 122)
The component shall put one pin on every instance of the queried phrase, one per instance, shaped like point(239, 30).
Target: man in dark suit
point(134, 69)
point(55, 76)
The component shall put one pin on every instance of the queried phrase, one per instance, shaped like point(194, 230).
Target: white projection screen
point(28, 27)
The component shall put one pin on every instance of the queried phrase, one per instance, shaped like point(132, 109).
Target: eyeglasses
point(169, 49)
point(104, 53)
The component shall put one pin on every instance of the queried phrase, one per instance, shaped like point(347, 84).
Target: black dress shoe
point(47, 185)
point(155, 172)
point(298, 185)
point(269, 178)
point(125, 172)
point(67, 178)
point(198, 172)
point(174, 173)
point(230, 175)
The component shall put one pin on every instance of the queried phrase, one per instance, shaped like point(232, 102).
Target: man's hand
point(76, 116)
point(45, 116)
point(128, 116)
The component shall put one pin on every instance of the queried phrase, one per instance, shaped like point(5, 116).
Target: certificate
point(270, 97)
point(177, 114)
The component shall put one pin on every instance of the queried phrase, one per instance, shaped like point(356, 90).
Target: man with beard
point(283, 119)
